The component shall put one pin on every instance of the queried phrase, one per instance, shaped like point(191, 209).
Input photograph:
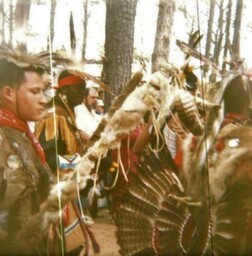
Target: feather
point(179, 215)
point(188, 113)
point(192, 52)
point(86, 76)
point(97, 134)
point(152, 185)
point(43, 60)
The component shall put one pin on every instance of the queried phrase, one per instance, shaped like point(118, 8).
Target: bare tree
point(22, 12)
point(52, 18)
point(219, 35)
point(227, 32)
point(3, 18)
point(163, 33)
point(11, 18)
point(210, 28)
point(120, 18)
point(237, 28)
point(72, 34)
point(85, 31)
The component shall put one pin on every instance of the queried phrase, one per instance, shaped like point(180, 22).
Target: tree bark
point(219, 36)
point(163, 33)
point(3, 16)
point(227, 33)
point(22, 13)
point(237, 28)
point(210, 28)
point(11, 23)
point(72, 34)
point(52, 17)
point(85, 25)
point(119, 41)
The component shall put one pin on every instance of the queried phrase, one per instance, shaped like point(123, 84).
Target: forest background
point(114, 38)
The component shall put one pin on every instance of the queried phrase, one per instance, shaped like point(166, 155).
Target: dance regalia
point(25, 181)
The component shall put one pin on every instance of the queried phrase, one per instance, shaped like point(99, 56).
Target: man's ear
point(8, 94)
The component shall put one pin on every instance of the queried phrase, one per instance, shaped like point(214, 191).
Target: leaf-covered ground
point(104, 231)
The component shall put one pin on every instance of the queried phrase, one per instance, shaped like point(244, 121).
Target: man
point(25, 178)
point(66, 138)
point(63, 145)
point(86, 118)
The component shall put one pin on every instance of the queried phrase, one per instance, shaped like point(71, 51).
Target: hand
point(84, 136)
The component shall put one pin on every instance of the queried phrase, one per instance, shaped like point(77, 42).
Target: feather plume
point(194, 53)
point(160, 212)
point(194, 41)
point(129, 88)
point(161, 220)
point(146, 213)
point(86, 76)
point(43, 60)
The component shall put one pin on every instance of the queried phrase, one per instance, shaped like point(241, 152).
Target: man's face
point(91, 99)
point(75, 94)
point(30, 100)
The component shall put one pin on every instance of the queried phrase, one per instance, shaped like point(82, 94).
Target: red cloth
point(178, 159)
point(128, 158)
point(7, 118)
point(235, 118)
point(70, 80)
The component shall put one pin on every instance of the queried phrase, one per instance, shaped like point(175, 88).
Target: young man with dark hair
point(25, 178)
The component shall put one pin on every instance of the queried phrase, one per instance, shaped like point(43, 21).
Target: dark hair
point(10, 74)
point(13, 75)
point(63, 74)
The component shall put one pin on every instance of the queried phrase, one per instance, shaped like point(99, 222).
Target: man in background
point(87, 119)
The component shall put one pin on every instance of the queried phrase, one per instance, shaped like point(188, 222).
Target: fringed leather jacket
point(24, 185)
point(66, 136)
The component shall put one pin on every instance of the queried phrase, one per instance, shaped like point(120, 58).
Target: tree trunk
point(163, 33)
point(22, 13)
point(227, 33)
point(210, 28)
point(219, 36)
point(120, 18)
point(72, 34)
point(11, 23)
point(85, 25)
point(52, 18)
point(237, 29)
point(3, 15)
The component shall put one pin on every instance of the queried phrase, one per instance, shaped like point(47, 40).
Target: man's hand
point(84, 136)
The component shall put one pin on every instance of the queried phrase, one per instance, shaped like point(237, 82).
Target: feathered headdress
point(44, 60)
point(85, 76)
